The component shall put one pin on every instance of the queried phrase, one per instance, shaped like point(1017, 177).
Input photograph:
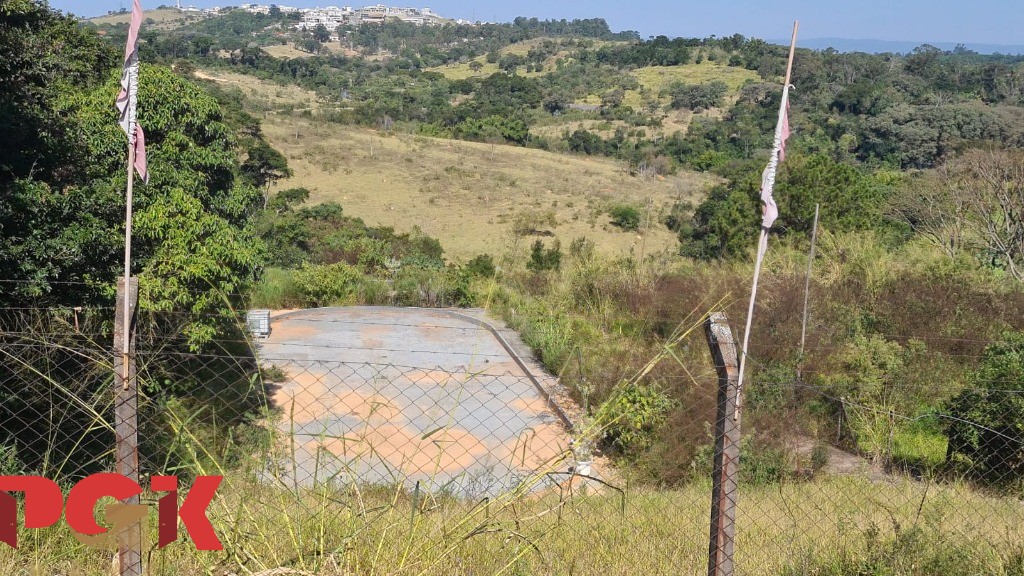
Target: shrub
point(625, 217)
point(634, 417)
point(986, 428)
point(481, 266)
point(545, 259)
point(325, 285)
point(530, 222)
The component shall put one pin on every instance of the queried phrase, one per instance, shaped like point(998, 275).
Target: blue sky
point(981, 21)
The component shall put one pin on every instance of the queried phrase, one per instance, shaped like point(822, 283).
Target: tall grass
point(337, 525)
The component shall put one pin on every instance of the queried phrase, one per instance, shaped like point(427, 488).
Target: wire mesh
point(458, 464)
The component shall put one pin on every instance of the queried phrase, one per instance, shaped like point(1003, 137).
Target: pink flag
point(770, 211)
point(126, 98)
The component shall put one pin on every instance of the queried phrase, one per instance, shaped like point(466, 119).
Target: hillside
point(160, 19)
point(467, 194)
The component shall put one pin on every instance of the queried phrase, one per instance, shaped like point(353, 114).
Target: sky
point(980, 21)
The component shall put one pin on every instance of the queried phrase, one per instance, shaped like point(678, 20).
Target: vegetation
point(351, 189)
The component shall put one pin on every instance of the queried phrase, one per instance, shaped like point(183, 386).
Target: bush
point(634, 417)
point(625, 217)
point(277, 290)
point(986, 428)
point(481, 266)
point(326, 285)
point(545, 259)
point(529, 222)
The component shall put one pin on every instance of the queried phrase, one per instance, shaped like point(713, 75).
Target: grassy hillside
point(462, 70)
point(163, 18)
point(468, 194)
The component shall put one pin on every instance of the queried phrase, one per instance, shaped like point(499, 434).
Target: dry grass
point(467, 194)
point(163, 18)
point(285, 51)
point(350, 530)
point(264, 96)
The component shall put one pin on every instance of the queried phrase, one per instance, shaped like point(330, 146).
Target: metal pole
point(807, 291)
point(725, 476)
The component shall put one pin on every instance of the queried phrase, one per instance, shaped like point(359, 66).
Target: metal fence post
point(126, 421)
point(725, 476)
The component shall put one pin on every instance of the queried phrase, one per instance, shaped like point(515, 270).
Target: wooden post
point(807, 292)
point(725, 476)
point(126, 418)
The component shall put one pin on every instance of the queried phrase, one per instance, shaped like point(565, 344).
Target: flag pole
point(128, 257)
point(762, 245)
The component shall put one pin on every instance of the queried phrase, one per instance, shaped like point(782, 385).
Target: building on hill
point(373, 14)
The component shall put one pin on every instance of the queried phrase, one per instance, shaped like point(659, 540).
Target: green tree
point(263, 166)
point(698, 96)
point(986, 419)
point(321, 33)
point(625, 216)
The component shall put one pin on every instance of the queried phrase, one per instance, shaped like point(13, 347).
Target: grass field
point(467, 194)
point(285, 51)
point(163, 18)
point(830, 526)
point(461, 70)
point(654, 78)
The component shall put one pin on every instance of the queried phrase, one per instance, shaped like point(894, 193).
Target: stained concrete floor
point(404, 395)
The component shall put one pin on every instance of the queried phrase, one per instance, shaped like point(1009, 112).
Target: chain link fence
point(336, 466)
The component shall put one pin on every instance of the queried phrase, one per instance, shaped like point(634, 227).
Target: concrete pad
point(405, 395)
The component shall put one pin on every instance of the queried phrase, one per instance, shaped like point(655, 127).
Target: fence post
point(126, 421)
point(725, 476)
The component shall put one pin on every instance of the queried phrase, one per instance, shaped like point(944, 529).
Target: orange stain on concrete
point(302, 398)
point(372, 336)
point(530, 405)
point(280, 331)
point(369, 407)
point(451, 450)
point(536, 447)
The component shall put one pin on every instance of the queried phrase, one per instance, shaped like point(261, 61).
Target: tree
point(613, 98)
point(321, 33)
point(934, 209)
point(475, 65)
point(309, 44)
point(698, 96)
point(991, 182)
point(264, 166)
point(62, 189)
point(986, 419)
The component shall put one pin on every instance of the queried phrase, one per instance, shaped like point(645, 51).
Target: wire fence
point(462, 462)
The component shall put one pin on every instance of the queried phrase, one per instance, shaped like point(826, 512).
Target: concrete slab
point(405, 395)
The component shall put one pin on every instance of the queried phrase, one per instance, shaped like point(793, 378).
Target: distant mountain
point(897, 46)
